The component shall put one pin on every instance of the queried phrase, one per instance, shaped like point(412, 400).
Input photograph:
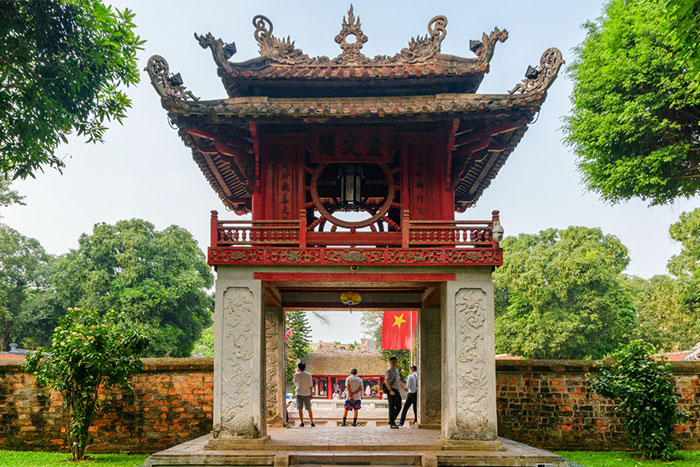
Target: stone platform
point(353, 446)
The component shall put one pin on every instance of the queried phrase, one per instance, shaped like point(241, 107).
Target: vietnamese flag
point(398, 328)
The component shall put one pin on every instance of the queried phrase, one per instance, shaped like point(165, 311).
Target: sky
point(144, 171)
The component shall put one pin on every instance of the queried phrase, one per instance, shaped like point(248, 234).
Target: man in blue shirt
point(412, 397)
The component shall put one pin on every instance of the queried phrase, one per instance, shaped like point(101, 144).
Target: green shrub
point(648, 407)
point(87, 350)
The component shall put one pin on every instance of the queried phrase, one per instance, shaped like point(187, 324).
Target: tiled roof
point(359, 107)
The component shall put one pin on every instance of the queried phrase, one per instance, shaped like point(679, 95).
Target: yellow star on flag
point(398, 321)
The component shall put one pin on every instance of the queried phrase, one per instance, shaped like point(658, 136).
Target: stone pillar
point(469, 365)
point(239, 364)
point(429, 367)
point(274, 365)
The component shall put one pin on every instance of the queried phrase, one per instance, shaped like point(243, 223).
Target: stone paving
point(354, 437)
point(356, 446)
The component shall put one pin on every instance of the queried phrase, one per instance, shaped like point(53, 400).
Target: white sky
point(144, 171)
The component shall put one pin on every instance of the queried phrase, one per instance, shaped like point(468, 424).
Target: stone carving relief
point(237, 368)
point(271, 361)
point(431, 343)
point(472, 374)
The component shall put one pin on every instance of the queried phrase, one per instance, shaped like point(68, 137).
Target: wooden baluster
point(302, 228)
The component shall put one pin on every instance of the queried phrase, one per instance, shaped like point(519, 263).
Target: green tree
point(560, 294)
point(687, 232)
point(685, 30)
point(634, 123)
point(22, 261)
point(371, 323)
point(205, 344)
point(7, 195)
point(158, 278)
point(648, 406)
point(667, 316)
point(88, 350)
point(298, 343)
point(63, 65)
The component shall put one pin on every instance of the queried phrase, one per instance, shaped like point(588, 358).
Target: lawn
point(627, 459)
point(58, 459)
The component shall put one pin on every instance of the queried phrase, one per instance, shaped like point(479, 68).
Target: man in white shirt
point(353, 401)
point(304, 389)
point(412, 397)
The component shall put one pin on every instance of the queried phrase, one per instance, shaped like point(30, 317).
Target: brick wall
point(171, 403)
point(549, 404)
point(542, 403)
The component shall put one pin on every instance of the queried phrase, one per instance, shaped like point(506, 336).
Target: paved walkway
point(304, 438)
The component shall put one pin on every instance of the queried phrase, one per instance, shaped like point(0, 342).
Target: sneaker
point(395, 427)
point(313, 426)
point(301, 425)
point(343, 424)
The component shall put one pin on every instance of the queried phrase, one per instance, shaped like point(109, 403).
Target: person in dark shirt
point(393, 384)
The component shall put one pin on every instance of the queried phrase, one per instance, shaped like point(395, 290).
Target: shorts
point(304, 402)
point(353, 405)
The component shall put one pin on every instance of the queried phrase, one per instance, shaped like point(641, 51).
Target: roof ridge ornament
point(420, 49)
point(168, 86)
point(351, 54)
point(538, 80)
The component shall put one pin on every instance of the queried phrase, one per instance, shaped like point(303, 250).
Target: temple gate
point(351, 169)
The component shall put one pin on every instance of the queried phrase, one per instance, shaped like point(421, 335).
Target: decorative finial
point(538, 80)
point(168, 86)
point(220, 51)
point(351, 50)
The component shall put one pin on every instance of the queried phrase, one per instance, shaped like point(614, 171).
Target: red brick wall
point(549, 404)
point(171, 403)
point(542, 403)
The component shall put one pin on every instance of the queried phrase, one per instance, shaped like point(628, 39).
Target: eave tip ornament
point(538, 80)
point(168, 86)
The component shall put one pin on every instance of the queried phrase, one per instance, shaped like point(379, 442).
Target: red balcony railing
point(412, 233)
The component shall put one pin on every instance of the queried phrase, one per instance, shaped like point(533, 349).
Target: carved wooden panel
point(352, 144)
point(373, 256)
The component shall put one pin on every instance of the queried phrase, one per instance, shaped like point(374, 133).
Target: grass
point(60, 459)
point(627, 459)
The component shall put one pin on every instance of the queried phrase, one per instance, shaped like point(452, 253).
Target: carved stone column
point(469, 370)
point(274, 365)
point(429, 367)
point(239, 364)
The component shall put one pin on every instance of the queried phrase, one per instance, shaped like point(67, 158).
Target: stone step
point(355, 458)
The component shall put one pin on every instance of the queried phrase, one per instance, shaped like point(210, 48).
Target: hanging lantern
point(350, 177)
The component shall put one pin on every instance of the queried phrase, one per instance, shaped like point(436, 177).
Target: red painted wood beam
point(492, 131)
point(233, 147)
point(354, 277)
point(451, 133)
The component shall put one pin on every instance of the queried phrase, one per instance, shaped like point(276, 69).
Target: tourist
point(304, 388)
point(412, 397)
point(353, 400)
point(393, 384)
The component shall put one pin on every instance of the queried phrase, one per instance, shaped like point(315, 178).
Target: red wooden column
point(329, 394)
